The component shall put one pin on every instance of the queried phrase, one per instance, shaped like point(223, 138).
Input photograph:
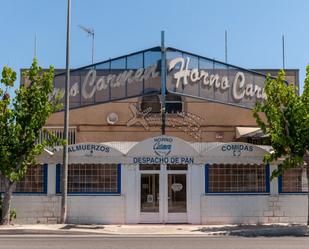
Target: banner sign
point(139, 74)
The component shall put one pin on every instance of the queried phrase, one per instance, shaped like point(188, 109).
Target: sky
point(255, 30)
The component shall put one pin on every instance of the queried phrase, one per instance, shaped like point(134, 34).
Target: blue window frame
point(237, 179)
point(34, 182)
point(91, 179)
point(293, 181)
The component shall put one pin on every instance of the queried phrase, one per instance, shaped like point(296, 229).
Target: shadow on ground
point(258, 230)
point(90, 227)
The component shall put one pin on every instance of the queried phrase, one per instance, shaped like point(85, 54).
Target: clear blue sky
point(122, 26)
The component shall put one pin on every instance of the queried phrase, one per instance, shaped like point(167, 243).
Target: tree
point(286, 116)
point(21, 121)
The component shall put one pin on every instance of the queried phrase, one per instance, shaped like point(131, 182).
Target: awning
point(248, 132)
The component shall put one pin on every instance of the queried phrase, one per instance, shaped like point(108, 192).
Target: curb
point(262, 232)
point(42, 231)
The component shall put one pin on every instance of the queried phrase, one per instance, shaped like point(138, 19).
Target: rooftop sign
point(139, 74)
point(224, 85)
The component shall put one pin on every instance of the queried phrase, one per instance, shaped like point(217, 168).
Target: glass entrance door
point(177, 198)
point(177, 193)
point(150, 193)
point(150, 203)
point(162, 194)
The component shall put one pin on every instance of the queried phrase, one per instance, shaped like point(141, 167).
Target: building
point(206, 169)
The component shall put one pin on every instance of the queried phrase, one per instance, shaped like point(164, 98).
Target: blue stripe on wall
point(267, 178)
point(45, 170)
point(58, 174)
point(206, 178)
point(119, 178)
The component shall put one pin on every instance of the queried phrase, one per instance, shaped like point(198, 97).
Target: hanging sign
point(176, 187)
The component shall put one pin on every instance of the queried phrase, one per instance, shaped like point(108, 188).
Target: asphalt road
point(91, 242)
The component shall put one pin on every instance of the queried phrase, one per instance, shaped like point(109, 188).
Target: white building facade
point(206, 169)
point(163, 180)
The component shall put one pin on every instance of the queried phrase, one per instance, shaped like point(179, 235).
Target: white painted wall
point(253, 209)
point(129, 188)
point(96, 209)
point(203, 209)
point(81, 209)
point(33, 209)
point(196, 175)
point(51, 181)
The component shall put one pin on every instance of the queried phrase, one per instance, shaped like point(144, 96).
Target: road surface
point(100, 242)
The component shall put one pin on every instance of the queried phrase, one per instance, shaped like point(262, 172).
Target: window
point(257, 140)
point(35, 180)
point(58, 132)
point(293, 181)
point(177, 167)
point(226, 178)
point(173, 103)
point(91, 178)
point(152, 102)
point(149, 167)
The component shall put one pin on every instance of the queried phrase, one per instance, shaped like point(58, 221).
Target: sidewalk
point(158, 230)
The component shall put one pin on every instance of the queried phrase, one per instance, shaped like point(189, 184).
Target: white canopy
point(160, 149)
point(247, 131)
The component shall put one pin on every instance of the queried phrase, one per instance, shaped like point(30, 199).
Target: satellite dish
point(112, 118)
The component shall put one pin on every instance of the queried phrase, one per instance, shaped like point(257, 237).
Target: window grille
point(294, 181)
point(236, 178)
point(32, 182)
point(92, 178)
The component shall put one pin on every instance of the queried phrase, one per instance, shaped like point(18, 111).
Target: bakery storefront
point(199, 163)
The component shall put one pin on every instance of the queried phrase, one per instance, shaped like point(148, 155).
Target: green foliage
point(22, 119)
point(13, 213)
point(284, 116)
point(8, 76)
point(0, 205)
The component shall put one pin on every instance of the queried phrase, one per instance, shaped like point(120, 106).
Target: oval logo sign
point(163, 146)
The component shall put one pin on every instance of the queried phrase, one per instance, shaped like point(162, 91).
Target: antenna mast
point(225, 40)
point(35, 47)
point(283, 53)
point(90, 32)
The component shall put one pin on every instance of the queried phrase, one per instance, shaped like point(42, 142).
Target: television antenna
point(89, 32)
